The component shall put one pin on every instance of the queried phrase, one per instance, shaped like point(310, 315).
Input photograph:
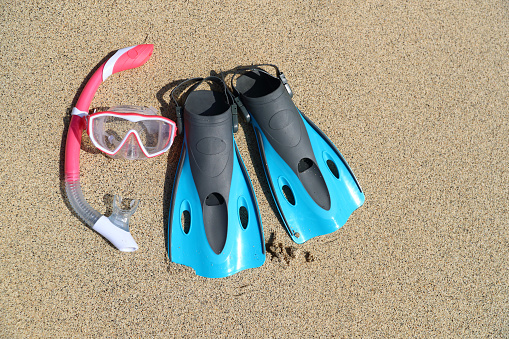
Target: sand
point(415, 96)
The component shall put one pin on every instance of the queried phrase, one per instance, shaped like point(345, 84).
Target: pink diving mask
point(131, 132)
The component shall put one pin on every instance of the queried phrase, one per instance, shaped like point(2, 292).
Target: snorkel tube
point(116, 227)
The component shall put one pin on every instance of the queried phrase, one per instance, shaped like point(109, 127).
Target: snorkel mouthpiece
point(120, 217)
point(115, 228)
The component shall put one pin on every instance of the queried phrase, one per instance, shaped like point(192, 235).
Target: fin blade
point(244, 246)
point(304, 218)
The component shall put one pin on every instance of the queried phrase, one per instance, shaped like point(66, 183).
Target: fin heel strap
point(195, 83)
point(244, 69)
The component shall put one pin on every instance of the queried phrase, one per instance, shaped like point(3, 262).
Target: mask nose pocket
point(131, 147)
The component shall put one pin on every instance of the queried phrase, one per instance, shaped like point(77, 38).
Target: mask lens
point(153, 134)
point(109, 131)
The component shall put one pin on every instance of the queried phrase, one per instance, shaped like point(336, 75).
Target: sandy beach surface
point(415, 96)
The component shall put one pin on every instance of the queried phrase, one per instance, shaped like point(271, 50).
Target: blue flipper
point(214, 224)
point(313, 187)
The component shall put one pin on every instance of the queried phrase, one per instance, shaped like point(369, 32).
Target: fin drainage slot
point(244, 217)
point(287, 192)
point(185, 220)
point(185, 216)
point(333, 168)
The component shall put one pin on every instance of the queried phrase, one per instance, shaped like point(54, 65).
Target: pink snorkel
point(116, 227)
